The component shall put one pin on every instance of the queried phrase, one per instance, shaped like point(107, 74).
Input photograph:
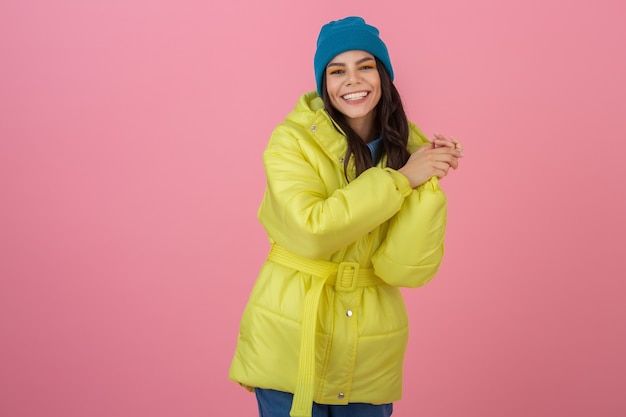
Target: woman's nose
point(353, 77)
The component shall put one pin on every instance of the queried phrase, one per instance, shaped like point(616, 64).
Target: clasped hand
point(432, 161)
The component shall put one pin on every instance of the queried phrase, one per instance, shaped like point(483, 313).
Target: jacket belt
point(341, 275)
point(344, 276)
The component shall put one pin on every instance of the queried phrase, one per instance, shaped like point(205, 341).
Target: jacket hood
point(310, 118)
point(309, 107)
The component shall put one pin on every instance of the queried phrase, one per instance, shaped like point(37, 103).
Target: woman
point(353, 210)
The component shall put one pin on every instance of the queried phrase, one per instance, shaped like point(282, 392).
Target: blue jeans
point(277, 404)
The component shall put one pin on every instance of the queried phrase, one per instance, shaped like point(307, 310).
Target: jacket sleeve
point(412, 251)
point(301, 215)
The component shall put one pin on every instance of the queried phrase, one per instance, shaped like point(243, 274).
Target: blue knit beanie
point(351, 33)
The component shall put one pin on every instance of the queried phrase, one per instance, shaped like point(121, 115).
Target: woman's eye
point(336, 72)
point(367, 67)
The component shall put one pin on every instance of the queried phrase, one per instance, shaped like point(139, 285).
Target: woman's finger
point(457, 144)
point(441, 143)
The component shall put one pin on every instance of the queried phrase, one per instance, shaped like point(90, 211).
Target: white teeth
point(355, 96)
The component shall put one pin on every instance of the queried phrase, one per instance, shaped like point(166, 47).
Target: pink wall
point(130, 142)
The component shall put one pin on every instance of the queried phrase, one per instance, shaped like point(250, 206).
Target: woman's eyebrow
point(336, 64)
point(341, 64)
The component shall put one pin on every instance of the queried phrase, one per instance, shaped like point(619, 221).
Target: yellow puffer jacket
point(326, 320)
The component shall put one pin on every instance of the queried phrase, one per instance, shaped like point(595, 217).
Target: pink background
point(131, 135)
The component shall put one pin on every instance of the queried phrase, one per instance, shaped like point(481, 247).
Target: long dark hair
point(390, 121)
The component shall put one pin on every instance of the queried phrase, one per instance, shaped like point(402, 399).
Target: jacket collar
point(311, 115)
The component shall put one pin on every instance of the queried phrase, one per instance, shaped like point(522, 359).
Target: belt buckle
point(345, 268)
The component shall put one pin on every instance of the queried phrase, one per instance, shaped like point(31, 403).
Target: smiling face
point(353, 86)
